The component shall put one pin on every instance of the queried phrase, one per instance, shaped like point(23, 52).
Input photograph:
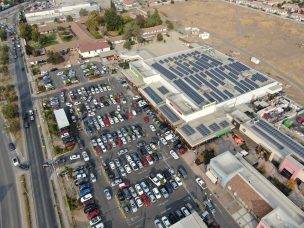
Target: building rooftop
point(206, 75)
point(249, 196)
point(61, 118)
point(276, 138)
point(86, 47)
point(193, 220)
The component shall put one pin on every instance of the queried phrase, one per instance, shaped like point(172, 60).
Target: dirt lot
point(243, 33)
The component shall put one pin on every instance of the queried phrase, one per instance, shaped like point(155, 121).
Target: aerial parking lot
point(126, 158)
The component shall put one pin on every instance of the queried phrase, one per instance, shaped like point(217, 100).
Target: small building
point(153, 31)
point(193, 220)
point(61, 119)
point(90, 50)
point(204, 35)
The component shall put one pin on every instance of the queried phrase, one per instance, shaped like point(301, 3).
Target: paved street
point(45, 213)
point(9, 201)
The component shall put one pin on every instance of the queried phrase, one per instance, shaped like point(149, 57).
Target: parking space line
point(164, 211)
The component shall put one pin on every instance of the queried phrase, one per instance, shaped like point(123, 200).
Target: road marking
point(164, 211)
point(137, 221)
point(163, 203)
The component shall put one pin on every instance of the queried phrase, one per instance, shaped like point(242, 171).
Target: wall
point(292, 167)
point(93, 53)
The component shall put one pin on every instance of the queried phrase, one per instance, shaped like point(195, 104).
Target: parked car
point(200, 183)
point(86, 197)
point(85, 156)
point(75, 156)
point(166, 221)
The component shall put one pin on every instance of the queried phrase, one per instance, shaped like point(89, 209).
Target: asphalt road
point(9, 203)
point(45, 213)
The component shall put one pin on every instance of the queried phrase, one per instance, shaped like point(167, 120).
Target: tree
point(93, 23)
point(209, 154)
point(113, 20)
point(83, 12)
point(10, 110)
point(291, 184)
point(140, 19)
point(69, 18)
point(170, 25)
point(127, 45)
point(54, 57)
point(159, 37)
point(43, 40)
point(131, 30)
point(153, 19)
point(3, 35)
point(57, 20)
point(25, 31)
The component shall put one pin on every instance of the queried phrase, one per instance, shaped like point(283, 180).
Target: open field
point(242, 33)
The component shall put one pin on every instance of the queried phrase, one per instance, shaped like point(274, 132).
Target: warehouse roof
point(193, 220)
point(61, 118)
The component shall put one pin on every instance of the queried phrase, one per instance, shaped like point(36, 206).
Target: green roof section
point(226, 130)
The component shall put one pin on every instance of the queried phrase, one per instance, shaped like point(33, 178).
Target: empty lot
point(243, 33)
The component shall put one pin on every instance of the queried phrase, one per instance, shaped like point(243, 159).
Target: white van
point(133, 112)
point(169, 137)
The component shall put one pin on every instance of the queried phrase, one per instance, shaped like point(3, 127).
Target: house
point(153, 31)
point(116, 40)
point(128, 3)
point(90, 50)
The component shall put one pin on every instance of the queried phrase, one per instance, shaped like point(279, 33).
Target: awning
point(219, 134)
point(211, 176)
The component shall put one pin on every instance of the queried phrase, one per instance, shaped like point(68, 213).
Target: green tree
point(3, 35)
point(159, 37)
point(131, 30)
point(43, 40)
point(127, 45)
point(25, 31)
point(83, 12)
point(69, 18)
point(140, 19)
point(153, 19)
point(113, 20)
point(169, 24)
point(93, 23)
point(54, 57)
point(10, 110)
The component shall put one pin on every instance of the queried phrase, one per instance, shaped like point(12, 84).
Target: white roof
point(193, 220)
point(61, 118)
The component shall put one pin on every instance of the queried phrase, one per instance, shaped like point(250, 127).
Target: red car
point(182, 150)
point(93, 214)
point(146, 119)
point(124, 185)
point(145, 200)
point(144, 162)
point(118, 142)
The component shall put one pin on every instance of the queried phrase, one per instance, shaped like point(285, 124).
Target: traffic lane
point(9, 200)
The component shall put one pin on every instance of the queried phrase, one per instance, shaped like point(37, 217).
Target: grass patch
point(50, 39)
point(26, 200)
point(57, 203)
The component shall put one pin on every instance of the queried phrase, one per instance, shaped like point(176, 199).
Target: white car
point(86, 198)
point(60, 73)
point(155, 181)
point(16, 161)
point(74, 157)
point(178, 181)
point(156, 193)
point(200, 183)
point(92, 177)
point(112, 165)
point(95, 220)
point(152, 127)
point(139, 189)
point(174, 154)
point(163, 141)
point(161, 177)
point(133, 206)
point(139, 202)
point(85, 156)
point(69, 105)
point(166, 221)
point(108, 194)
point(128, 168)
point(144, 186)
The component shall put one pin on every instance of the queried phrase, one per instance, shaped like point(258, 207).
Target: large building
point(260, 197)
point(193, 90)
point(60, 10)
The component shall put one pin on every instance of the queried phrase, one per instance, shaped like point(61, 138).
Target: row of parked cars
point(91, 208)
point(174, 217)
point(122, 136)
point(149, 190)
point(78, 94)
point(90, 69)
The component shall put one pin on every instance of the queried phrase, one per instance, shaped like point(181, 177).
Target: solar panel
point(209, 98)
point(187, 130)
point(163, 90)
point(164, 71)
point(214, 127)
point(192, 83)
point(169, 114)
point(228, 93)
point(203, 130)
point(278, 145)
point(154, 96)
point(198, 99)
point(224, 123)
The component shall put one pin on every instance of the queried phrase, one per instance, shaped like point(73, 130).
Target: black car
point(179, 214)
point(167, 174)
point(24, 166)
point(11, 146)
point(173, 219)
point(155, 156)
point(88, 209)
point(168, 187)
point(181, 171)
point(89, 202)
point(120, 195)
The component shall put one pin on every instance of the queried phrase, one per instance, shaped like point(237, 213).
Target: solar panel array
point(153, 95)
point(188, 130)
point(194, 71)
point(163, 90)
point(224, 123)
point(169, 113)
point(203, 130)
point(280, 137)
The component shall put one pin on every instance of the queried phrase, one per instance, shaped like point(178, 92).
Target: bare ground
point(243, 33)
